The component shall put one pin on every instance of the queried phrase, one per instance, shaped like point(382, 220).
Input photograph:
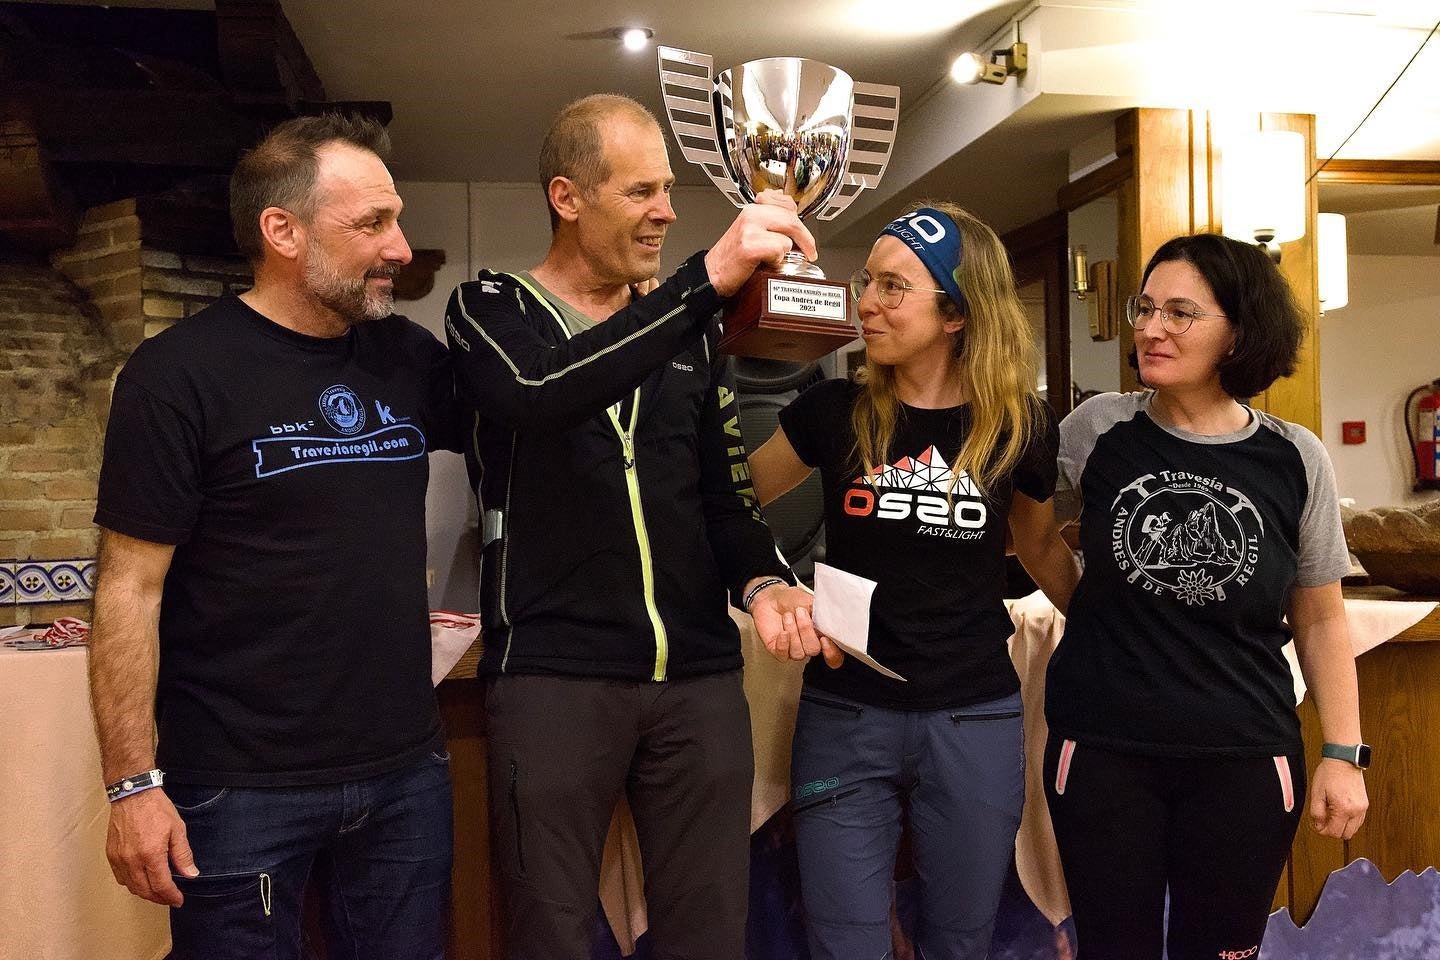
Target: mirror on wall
point(1385, 342)
point(1094, 363)
point(1032, 298)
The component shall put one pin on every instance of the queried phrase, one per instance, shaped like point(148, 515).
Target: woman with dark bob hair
point(1175, 762)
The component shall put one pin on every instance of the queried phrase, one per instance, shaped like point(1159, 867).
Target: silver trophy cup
point(790, 124)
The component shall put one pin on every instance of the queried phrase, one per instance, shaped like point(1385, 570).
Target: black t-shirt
point(290, 473)
point(1192, 544)
point(937, 616)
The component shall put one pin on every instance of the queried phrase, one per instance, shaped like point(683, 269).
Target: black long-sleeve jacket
point(611, 529)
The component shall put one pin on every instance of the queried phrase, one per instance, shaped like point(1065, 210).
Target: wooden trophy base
point(787, 317)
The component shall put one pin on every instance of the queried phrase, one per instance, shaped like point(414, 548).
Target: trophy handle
point(687, 82)
point(873, 121)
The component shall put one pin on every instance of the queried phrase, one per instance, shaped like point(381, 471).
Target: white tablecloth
point(58, 899)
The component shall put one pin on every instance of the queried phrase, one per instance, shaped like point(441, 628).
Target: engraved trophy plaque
point(788, 124)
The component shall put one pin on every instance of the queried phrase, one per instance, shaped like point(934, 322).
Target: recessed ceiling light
point(635, 38)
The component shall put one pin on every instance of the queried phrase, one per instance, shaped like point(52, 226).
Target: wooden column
point(1159, 200)
point(1176, 186)
point(1297, 397)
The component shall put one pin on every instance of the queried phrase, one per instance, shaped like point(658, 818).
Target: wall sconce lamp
point(1079, 272)
point(1264, 189)
point(1006, 62)
point(1333, 256)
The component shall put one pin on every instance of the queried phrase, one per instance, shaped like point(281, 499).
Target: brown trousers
point(561, 751)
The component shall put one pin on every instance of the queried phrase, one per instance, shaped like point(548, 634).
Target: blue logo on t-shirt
point(274, 455)
point(343, 409)
point(295, 445)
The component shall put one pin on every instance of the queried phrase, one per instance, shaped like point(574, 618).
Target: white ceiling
point(475, 82)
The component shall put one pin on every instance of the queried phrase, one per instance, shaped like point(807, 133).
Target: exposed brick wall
point(65, 329)
point(56, 367)
point(173, 286)
point(105, 263)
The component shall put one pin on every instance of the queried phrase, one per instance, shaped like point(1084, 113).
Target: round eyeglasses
point(1175, 315)
point(889, 289)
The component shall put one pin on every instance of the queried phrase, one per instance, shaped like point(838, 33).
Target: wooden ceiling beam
point(260, 57)
point(1399, 172)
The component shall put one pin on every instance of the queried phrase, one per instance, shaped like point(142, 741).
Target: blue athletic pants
point(856, 769)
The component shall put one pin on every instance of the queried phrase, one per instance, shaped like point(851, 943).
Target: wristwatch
point(1357, 754)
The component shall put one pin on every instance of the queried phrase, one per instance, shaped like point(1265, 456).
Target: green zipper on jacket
point(642, 537)
point(637, 511)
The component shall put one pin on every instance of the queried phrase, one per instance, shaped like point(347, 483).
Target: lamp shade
point(1264, 186)
point(1333, 255)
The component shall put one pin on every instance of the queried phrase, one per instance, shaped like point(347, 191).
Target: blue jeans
point(387, 840)
point(959, 774)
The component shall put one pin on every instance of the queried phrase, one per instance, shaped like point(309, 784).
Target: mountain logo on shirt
point(1185, 535)
point(923, 487)
point(929, 471)
point(342, 409)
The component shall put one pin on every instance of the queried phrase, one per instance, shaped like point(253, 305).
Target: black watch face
point(1362, 756)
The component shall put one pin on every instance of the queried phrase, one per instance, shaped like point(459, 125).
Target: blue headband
point(935, 239)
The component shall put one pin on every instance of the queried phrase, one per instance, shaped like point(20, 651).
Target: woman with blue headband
point(937, 453)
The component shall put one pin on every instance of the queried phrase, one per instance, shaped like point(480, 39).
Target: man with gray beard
point(261, 608)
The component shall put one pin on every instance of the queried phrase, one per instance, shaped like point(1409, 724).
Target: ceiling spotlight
point(635, 38)
point(1005, 62)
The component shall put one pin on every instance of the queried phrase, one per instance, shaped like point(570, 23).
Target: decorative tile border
point(7, 583)
point(48, 581)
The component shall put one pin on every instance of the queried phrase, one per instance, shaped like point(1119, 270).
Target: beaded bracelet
point(755, 590)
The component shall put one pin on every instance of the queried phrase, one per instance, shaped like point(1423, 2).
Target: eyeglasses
point(889, 288)
point(1176, 316)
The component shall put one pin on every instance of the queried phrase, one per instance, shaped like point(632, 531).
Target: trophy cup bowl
point(787, 127)
point(782, 123)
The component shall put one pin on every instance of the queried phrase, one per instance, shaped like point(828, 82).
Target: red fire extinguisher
point(1425, 443)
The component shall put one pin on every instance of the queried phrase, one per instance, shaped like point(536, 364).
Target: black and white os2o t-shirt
point(933, 542)
point(1192, 545)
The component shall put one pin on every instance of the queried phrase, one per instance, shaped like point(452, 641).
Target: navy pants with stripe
point(1213, 833)
point(960, 775)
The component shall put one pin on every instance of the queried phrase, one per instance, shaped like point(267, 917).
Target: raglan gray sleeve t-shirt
point(1192, 545)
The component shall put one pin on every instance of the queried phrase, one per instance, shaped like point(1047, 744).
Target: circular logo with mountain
point(342, 409)
point(1189, 537)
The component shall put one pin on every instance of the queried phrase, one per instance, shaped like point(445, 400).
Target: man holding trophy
point(617, 512)
point(798, 126)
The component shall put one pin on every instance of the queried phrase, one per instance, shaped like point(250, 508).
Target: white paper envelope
point(842, 613)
